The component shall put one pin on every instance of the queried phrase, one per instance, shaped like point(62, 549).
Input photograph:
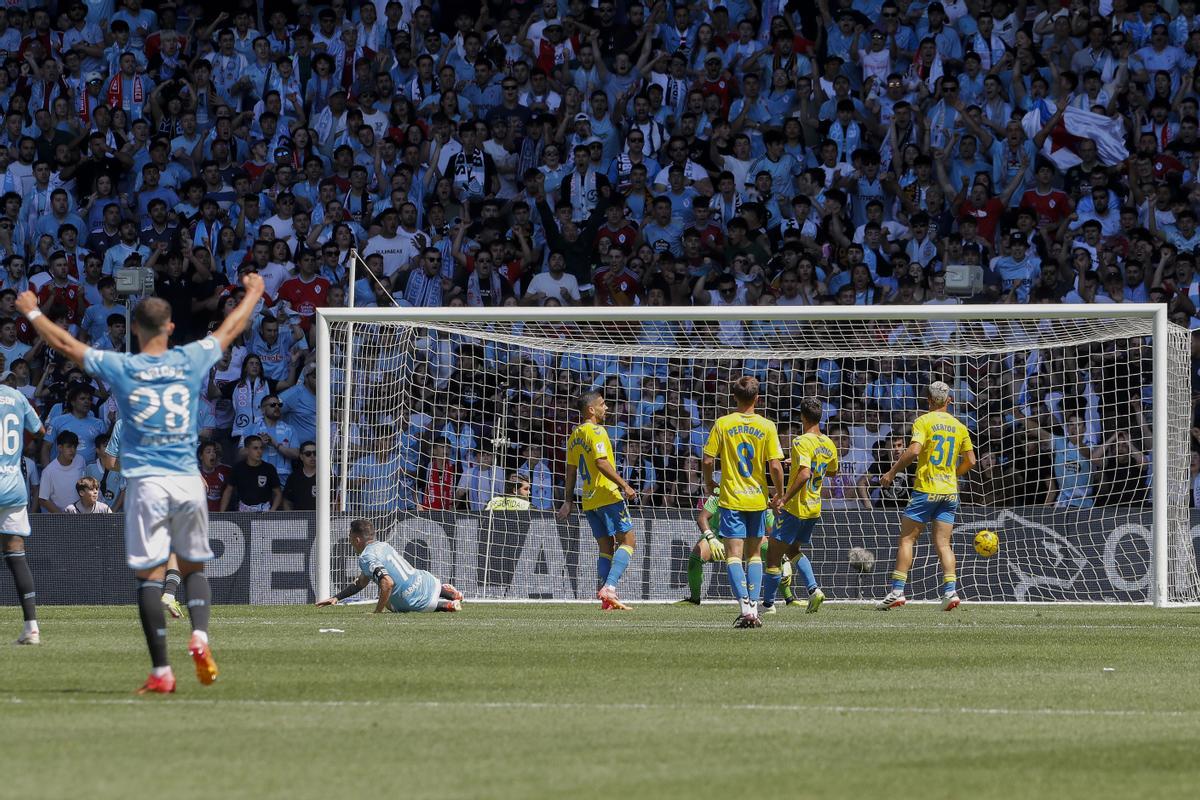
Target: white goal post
point(1080, 414)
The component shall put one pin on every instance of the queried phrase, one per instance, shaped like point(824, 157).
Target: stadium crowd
point(611, 153)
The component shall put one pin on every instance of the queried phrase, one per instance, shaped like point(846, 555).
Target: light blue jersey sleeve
point(113, 448)
point(414, 590)
point(16, 417)
point(158, 397)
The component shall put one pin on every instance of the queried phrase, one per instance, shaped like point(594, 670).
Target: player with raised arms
point(402, 587)
point(590, 457)
point(17, 416)
point(110, 459)
point(747, 445)
point(709, 548)
point(814, 457)
point(941, 446)
point(157, 393)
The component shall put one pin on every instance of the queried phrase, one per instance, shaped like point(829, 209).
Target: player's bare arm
point(799, 478)
point(386, 584)
point(54, 336)
point(605, 468)
point(351, 590)
point(967, 463)
point(707, 466)
point(568, 502)
point(775, 467)
point(910, 455)
point(110, 463)
point(237, 320)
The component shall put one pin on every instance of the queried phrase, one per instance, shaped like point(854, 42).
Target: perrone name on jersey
point(747, 429)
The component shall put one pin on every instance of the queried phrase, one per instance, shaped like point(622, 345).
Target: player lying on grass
point(402, 587)
point(110, 459)
point(941, 446)
point(814, 456)
point(710, 548)
point(747, 445)
point(589, 457)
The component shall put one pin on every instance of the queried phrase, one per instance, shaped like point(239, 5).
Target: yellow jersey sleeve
point(920, 430)
point(712, 447)
point(775, 447)
point(801, 453)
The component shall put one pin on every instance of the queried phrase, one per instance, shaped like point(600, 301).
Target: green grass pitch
point(564, 701)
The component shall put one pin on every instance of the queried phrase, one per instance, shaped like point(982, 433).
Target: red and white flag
point(1075, 126)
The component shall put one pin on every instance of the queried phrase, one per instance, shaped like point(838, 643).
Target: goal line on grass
point(674, 707)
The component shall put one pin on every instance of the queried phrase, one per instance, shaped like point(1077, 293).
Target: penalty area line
point(538, 706)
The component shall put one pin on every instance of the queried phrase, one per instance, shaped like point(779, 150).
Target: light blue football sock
point(620, 560)
point(603, 564)
point(802, 565)
point(737, 579)
point(754, 578)
point(771, 581)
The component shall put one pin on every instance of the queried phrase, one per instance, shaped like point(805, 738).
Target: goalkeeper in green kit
point(710, 548)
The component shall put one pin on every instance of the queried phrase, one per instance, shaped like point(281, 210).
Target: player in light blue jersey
point(402, 587)
point(166, 507)
point(17, 416)
point(110, 459)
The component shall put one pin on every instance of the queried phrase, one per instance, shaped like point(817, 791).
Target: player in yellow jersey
point(747, 445)
point(814, 458)
point(942, 448)
point(589, 457)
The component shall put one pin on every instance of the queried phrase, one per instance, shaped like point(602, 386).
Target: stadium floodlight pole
point(324, 501)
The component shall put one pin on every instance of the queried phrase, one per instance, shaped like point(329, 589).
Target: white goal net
point(1080, 417)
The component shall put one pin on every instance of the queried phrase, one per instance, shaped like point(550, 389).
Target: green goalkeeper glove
point(716, 547)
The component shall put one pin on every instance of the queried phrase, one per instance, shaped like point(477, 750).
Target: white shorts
point(163, 515)
point(14, 521)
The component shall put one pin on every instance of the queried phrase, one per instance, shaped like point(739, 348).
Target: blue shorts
point(610, 520)
point(742, 524)
point(926, 508)
point(794, 529)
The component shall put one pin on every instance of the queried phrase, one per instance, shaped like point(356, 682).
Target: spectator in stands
point(480, 481)
point(80, 420)
point(515, 499)
point(214, 474)
point(59, 476)
point(300, 491)
point(108, 478)
point(253, 481)
point(89, 502)
point(277, 437)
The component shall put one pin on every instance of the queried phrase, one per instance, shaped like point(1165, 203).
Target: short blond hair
point(938, 393)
